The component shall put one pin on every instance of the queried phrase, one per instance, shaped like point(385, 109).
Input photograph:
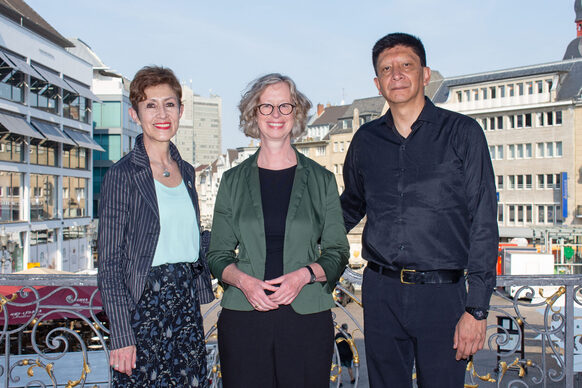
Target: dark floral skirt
point(168, 328)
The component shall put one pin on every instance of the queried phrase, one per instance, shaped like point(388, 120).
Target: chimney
point(319, 109)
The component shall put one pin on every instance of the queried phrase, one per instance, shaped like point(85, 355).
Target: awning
point(83, 90)
point(22, 65)
point(53, 78)
point(83, 140)
point(19, 126)
point(52, 132)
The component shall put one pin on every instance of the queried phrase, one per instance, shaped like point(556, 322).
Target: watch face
point(478, 314)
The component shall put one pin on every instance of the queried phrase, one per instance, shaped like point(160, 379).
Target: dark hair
point(398, 39)
point(152, 76)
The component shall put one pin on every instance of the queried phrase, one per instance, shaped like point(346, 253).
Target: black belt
point(411, 276)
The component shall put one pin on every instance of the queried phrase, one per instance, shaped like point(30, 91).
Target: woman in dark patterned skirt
point(152, 271)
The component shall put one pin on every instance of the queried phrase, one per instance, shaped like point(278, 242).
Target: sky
point(325, 46)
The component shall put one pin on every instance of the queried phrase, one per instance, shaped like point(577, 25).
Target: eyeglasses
point(284, 109)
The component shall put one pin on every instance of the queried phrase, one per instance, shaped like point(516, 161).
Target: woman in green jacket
point(281, 211)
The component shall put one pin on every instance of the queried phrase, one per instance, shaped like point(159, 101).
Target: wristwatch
point(477, 313)
point(311, 274)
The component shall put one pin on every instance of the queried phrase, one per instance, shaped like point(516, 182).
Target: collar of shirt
point(429, 114)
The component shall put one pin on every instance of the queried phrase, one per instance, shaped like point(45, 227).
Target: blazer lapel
point(254, 191)
point(143, 176)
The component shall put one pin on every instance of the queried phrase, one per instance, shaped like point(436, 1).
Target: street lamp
point(7, 246)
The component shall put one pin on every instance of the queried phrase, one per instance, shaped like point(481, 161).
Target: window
point(499, 182)
point(43, 197)
point(520, 218)
point(335, 146)
point(511, 90)
point(559, 117)
point(468, 95)
point(528, 150)
point(511, 213)
point(75, 157)
point(549, 83)
point(13, 197)
point(528, 214)
point(44, 154)
point(107, 114)
point(44, 95)
point(550, 150)
point(499, 122)
point(492, 123)
point(550, 118)
point(540, 119)
point(460, 96)
point(540, 86)
point(502, 91)
point(492, 152)
point(499, 212)
point(500, 152)
point(11, 147)
point(520, 89)
point(520, 182)
point(541, 181)
point(540, 150)
point(74, 197)
point(529, 87)
point(511, 182)
point(549, 181)
point(484, 124)
point(341, 146)
point(75, 107)
point(528, 120)
point(528, 181)
point(484, 92)
point(541, 214)
point(519, 151)
point(511, 121)
point(558, 149)
point(493, 90)
point(476, 94)
point(11, 82)
point(558, 180)
point(320, 151)
point(519, 121)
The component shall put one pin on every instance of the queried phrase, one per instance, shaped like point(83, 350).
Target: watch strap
point(477, 312)
point(311, 274)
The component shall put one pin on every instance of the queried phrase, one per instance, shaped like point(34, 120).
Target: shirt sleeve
point(353, 200)
point(113, 219)
point(479, 181)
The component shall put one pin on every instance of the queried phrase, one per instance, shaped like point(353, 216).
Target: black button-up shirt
point(429, 198)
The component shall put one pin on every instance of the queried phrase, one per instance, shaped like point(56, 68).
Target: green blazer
point(314, 232)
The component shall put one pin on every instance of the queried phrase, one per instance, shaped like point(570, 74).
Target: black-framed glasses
point(284, 109)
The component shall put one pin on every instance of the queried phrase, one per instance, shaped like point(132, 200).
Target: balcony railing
point(58, 335)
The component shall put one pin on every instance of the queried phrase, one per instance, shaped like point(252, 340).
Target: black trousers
point(406, 323)
point(278, 348)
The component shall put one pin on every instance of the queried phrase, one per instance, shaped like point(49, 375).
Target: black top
point(276, 188)
point(429, 198)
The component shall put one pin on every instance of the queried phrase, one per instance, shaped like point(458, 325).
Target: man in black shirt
point(423, 177)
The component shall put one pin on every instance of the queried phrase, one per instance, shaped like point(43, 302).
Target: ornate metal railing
point(534, 334)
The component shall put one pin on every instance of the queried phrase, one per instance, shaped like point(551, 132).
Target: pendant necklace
point(166, 173)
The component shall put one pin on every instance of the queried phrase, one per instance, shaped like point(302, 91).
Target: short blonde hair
point(250, 100)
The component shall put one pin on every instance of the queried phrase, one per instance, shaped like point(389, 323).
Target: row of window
point(13, 148)
point(42, 93)
point(551, 149)
point(522, 120)
point(529, 214)
point(524, 182)
point(507, 90)
point(340, 146)
point(43, 197)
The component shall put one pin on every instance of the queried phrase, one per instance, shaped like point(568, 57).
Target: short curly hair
point(250, 100)
point(149, 76)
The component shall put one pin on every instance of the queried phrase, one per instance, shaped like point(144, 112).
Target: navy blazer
point(129, 228)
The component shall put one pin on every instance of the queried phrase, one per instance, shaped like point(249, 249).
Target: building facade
point(46, 145)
